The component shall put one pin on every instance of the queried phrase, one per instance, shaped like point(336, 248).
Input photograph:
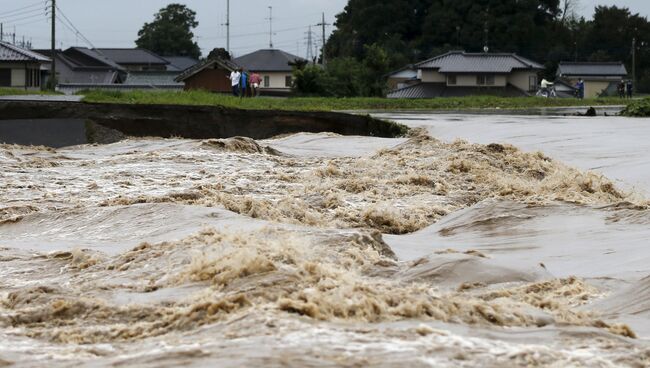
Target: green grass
point(329, 104)
point(21, 92)
point(638, 108)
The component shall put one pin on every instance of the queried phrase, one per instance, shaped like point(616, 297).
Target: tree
point(170, 33)
point(219, 53)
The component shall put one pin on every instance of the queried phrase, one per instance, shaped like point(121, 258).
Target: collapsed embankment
point(195, 122)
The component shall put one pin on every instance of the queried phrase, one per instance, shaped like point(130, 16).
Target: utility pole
point(228, 26)
point(2, 32)
point(634, 63)
point(310, 55)
point(322, 23)
point(53, 69)
point(271, 27)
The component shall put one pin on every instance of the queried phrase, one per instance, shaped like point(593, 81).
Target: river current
point(478, 241)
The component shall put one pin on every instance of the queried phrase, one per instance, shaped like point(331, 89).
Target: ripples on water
point(165, 252)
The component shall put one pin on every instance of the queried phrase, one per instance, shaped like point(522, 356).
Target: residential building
point(21, 68)
point(600, 78)
point(84, 66)
point(274, 66)
point(209, 75)
point(458, 73)
point(180, 63)
point(136, 59)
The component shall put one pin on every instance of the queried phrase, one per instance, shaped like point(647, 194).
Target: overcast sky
point(115, 23)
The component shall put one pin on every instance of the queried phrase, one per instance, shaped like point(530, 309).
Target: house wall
point(18, 74)
point(521, 80)
point(593, 87)
point(277, 80)
point(431, 76)
point(469, 80)
point(214, 80)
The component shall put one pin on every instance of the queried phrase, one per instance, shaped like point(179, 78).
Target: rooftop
point(267, 60)
point(9, 52)
point(584, 69)
point(463, 62)
point(133, 56)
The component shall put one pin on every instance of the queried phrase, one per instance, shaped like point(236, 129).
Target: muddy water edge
point(318, 250)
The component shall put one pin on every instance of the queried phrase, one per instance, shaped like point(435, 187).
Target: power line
point(23, 8)
point(21, 14)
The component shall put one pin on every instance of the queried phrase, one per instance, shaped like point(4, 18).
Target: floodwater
point(320, 250)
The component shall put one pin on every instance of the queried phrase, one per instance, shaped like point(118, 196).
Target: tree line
point(374, 37)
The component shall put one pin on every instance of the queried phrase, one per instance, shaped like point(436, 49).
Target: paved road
point(54, 98)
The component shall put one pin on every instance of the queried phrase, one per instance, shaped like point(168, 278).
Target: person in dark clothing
point(621, 89)
point(580, 87)
point(630, 88)
point(243, 83)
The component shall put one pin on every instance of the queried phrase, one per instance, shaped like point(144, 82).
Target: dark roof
point(591, 69)
point(433, 90)
point(164, 78)
point(180, 63)
point(225, 64)
point(463, 62)
point(133, 56)
point(267, 61)
point(9, 52)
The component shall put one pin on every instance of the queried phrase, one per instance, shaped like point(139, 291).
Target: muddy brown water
point(166, 252)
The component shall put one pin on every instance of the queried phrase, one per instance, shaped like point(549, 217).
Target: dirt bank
point(200, 122)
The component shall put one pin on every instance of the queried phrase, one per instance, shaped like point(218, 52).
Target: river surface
point(511, 248)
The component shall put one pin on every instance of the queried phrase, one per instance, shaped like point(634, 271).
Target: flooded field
point(323, 250)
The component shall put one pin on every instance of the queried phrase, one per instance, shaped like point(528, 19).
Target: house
point(180, 63)
point(136, 59)
point(274, 66)
point(209, 75)
point(21, 68)
point(601, 78)
point(84, 66)
point(458, 73)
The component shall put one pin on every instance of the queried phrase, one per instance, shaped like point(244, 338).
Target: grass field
point(20, 92)
point(329, 104)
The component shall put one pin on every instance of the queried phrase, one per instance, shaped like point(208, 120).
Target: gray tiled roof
point(226, 64)
point(133, 56)
point(433, 90)
point(591, 69)
point(152, 78)
point(10, 52)
point(180, 63)
point(267, 61)
point(462, 62)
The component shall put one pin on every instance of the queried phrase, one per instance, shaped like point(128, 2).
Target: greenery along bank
point(22, 92)
point(638, 108)
point(334, 104)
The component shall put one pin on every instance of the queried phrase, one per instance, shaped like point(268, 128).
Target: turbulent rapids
point(315, 250)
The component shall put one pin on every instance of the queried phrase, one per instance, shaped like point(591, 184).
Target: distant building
point(601, 78)
point(180, 63)
point(84, 66)
point(136, 59)
point(209, 75)
point(21, 68)
point(459, 73)
point(274, 68)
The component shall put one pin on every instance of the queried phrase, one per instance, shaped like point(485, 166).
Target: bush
point(638, 108)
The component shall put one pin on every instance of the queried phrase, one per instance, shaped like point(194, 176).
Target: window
point(532, 83)
point(451, 80)
point(5, 77)
point(288, 81)
point(485, 80)
point(267, 81)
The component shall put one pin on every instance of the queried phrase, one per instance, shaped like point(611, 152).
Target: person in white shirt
point(235, 76)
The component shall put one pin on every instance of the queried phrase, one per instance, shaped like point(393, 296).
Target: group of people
point(625, 89)
point(245, 84)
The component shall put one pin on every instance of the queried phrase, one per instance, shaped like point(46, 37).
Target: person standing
point(630, 88)
point(255, 84)
point(235, 76)
point(621, 89)
point(580, 87)
point(243, 83)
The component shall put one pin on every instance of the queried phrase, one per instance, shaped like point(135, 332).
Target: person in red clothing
point(255, 84)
